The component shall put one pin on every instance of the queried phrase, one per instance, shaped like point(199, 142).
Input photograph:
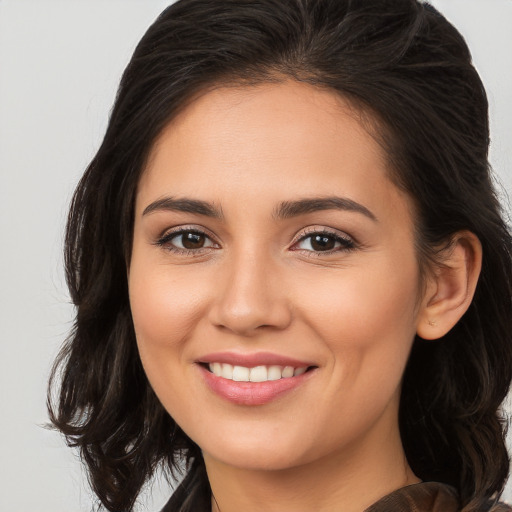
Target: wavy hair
point(404, 65)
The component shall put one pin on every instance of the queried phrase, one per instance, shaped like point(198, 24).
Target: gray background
point(60, 62)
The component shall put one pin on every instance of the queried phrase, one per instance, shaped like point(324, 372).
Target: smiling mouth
point(255, 374)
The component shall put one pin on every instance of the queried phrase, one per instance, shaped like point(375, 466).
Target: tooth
point(227, 371)
point(274, 372)
point(240, 373)
point(258, 374)
point(255, 374)
point(287, 371)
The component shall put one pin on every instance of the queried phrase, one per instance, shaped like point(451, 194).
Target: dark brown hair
point(403, 63)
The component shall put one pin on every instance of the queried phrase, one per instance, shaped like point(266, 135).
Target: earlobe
point(451, 286)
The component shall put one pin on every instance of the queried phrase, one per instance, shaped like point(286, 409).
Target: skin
point(257, 285)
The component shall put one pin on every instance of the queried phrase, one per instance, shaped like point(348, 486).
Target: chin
point(257, 453)
point(256, 459)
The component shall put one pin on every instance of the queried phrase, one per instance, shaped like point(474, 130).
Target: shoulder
point(428, 497)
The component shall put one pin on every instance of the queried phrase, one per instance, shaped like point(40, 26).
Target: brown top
point(425, 497)
point(422, 497)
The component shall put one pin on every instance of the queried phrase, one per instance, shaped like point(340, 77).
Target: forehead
point(250, 106)
point(267, 140)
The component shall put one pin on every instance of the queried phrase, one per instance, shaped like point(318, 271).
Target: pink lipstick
point(253, 379)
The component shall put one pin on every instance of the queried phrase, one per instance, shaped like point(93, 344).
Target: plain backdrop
point(60, 62)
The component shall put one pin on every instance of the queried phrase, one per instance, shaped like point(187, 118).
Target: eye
point(323, 241)
point(186, 240)
point(191, 240)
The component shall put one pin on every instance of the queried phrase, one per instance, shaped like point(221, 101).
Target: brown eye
point(325, 242)
point(186, 240)
point(322, 243)
point(192, 240)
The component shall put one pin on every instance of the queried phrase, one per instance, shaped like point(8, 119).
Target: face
point(273, 283)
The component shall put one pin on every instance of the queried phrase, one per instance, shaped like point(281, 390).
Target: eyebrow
point(184, 205)
point(285, 210)
point(288, 209)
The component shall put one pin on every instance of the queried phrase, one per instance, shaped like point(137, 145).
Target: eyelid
point(164, 239)
point(180, 228)
point(349, 242)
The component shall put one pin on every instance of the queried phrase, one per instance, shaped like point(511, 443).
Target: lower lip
point(252, 393)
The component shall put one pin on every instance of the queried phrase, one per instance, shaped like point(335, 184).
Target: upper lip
point(252, 360)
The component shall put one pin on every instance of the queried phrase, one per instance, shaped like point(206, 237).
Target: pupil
point(322, 243)
point(193, 240)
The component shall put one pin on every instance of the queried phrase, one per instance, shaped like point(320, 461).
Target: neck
point(350, 480)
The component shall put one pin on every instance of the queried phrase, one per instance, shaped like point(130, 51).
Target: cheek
point(367, 320)
point(357, 302)
point(166, 310)
point(164, 306)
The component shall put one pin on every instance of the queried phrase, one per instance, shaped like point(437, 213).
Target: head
point(403, 76)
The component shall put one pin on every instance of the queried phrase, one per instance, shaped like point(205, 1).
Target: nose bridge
point(250, 293)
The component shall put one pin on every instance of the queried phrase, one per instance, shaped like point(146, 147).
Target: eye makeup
point(317, 241)
point(320, 241)
point(187, 241)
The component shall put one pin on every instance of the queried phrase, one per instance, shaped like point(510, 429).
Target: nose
point(250, 297)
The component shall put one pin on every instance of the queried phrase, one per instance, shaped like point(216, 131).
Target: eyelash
point(347, 244)
point(165, 241)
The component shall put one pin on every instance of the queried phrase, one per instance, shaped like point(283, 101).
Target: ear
point(450, 286)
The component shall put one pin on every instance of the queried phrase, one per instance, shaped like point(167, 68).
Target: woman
point(290, 268)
